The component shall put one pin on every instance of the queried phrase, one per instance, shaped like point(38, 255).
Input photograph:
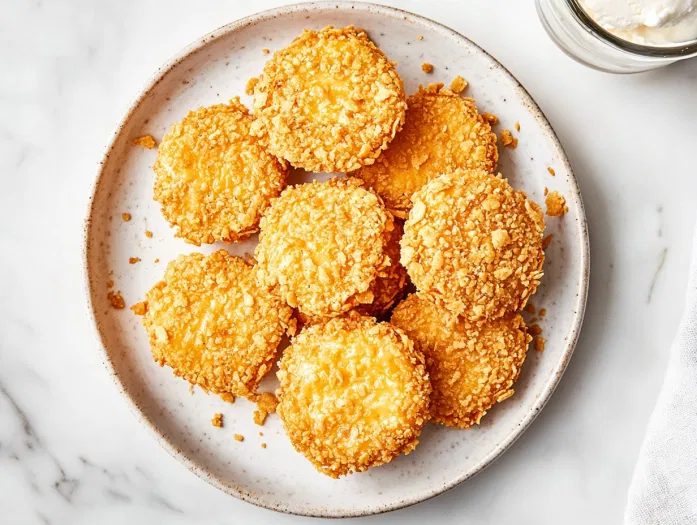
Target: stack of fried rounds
point(421, 201)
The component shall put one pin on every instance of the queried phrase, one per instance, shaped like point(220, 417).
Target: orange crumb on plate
point(140, 308)
point(217, 420)
point(556, 204)
point(126, 217)
point(551, 171)
point(508, 140)
point(238, 437)
point(133, 260)
point(146, 141)
point(490, 118)
point(540, 344)
point(116, 300)
point(459, 84)
point(426, 67)
point(546, 241)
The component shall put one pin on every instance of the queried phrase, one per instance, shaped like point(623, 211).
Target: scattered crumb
point(116, 300)
point(263, 445)
point(459, 84)
point(157, 260)
point(546, 191)
point(133, 260)
point(534, 330)
point(140, 308)
point(490, 118)
point(546, 241)
point(146, 141)
point(508, 140)
point(148, 234)
point(419, 37)
point(191, 389)
point(261, 433)
point(556, 204)
point(265, 51)
point(238, 437)
point(517, 126)
point(551, 171)
point(540, 344)
point(266, 404)
point(426, 67)
point(530, 308)
point(251, 84)
point(543, 312)
point(227, 397)
point(217, 420)
point(110, 283)
point(126, 217)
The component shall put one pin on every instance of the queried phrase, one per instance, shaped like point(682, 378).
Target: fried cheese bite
point(213, 179)
point(354, 394)
point(472, 365)
point(474, 244)
point(442, 132)
point(209, 320)
point(323, 245)
point(329, 102)
point(388, 288)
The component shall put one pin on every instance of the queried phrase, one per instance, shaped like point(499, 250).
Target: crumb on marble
point(238, 437)
point(490, 118)
point(551, 171)
point(126, 217)
point(116, 300)
point(540, 344)
point(419, 37)
point(261, 433)
point(458, 85)
point(508, 140)
point(265, 51)
point(157, 260)
point(426, 67)
point(546, 191)
point(556, 204)
point(148, 234)
point(517, 126)
point(251, 84)
point(145, 141)
point(263, 445)
point(546, 241)
point(217, 420)
point(140, 308)
point(133, 260)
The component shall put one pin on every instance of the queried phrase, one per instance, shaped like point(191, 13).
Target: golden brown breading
point(209, 320)
point(331, 101)
point(213, 179)
point(474, 244)
point(556, 204)
point(354, 394)
point(442, 132)
point(471, 365)
point(323, 244)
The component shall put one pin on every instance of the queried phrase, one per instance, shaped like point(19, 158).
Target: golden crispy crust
point(323, 244)
point(331, 101)
point(471, 365)
point(213, 179)
point(442, 132)
point(354, 394)
point(214, 326)
point(474, 244)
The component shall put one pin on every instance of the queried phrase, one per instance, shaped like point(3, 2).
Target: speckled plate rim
point(579, 307)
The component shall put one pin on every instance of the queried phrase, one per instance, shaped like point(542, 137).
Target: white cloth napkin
point(664, 487)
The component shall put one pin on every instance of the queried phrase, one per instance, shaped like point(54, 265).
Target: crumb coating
point(329, 102)
point(213, 179)
point(323, 245)
point(442, 132)
point(472, 366)
point(354, 394)
point(212, 324)
point(474, 244)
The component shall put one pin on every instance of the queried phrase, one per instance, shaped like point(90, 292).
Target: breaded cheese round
point(442, 132)
point(213, 179)
point(472, 366)
point(322, 246)
point(209, 320)
point(330, 102)
point(474, 244)
point(354, 394)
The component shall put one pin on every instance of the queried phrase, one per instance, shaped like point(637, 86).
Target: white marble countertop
point(70, 450)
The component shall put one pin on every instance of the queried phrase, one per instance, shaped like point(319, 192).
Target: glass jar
point(580, 37)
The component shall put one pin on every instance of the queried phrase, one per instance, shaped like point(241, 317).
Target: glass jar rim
point(681, 50)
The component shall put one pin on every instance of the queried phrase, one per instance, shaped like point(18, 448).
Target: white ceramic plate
point(213, 70)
